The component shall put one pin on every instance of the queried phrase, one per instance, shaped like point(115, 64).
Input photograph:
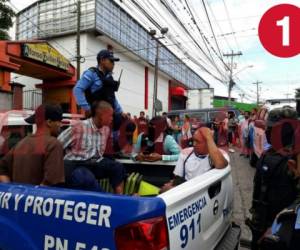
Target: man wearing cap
point(97, 83)
point(37, 159)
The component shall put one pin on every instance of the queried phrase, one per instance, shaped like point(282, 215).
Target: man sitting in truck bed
point(85, 143)
point(38, 158)
point(197, 160)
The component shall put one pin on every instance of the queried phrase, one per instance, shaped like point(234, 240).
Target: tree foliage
point(6, 19)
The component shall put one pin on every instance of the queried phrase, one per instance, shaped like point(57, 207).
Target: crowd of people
point(87, 151)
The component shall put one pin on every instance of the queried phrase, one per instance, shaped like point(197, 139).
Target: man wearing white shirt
point(194, 161)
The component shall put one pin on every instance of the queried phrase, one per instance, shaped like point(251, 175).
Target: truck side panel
point(53, 218)
point(199, 211)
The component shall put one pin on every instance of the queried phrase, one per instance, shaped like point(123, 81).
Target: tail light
point(149, 234)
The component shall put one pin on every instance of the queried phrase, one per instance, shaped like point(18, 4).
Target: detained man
point(38, 158)
point(85, 144)
point(197, 160)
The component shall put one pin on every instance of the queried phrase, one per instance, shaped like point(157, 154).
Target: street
point(242, 174)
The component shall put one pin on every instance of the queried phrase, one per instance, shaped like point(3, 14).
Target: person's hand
point(206, 132)
point(140, 157)
point(153, 157)
point(4, 179)
point(167, 186)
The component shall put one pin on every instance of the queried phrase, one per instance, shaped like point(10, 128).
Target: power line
point(209, 6)
point(191, 58)
point(205, 41)
point(166, 5)
point(228, 16)
point(212, 30)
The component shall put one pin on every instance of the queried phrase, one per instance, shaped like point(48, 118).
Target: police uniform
point(285, 232)
point(96, 85)
point(274, 186)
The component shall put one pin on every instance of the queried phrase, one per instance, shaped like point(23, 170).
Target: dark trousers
point(106, 168)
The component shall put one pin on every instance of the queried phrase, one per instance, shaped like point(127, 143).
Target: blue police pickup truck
point(196, 215)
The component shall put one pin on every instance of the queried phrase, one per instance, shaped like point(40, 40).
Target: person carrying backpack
point(274, 186)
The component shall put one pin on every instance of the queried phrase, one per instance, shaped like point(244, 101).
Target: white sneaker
point(231, 150)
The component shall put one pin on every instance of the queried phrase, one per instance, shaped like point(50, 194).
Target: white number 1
point(285, 23)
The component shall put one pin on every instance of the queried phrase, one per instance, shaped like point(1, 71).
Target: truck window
point(197, 119)
point(216, 114)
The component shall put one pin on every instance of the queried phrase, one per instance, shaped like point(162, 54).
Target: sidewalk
point(242, 174)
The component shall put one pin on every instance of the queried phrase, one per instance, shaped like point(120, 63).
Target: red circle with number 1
point(279, 30)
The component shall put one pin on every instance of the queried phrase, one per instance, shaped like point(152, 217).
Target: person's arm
point(137, 147)
point(5, 166)
point(67, 137)
point(178, 171)
point(217, 157)
point(173, 148)
point(118, 108)
point(81, 86)
point(54, 172)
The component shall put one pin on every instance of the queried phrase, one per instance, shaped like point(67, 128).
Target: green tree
point(6, 16)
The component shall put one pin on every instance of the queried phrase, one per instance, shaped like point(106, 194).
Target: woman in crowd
point(155, 144)
point(244, 129)
point(186, 131)
point(176, 127)
point(232, 125)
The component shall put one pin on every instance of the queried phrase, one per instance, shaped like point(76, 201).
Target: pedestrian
point(38, 158)
point(169, 122)
point(232, 125)
point(176, 127)
point(244, 135)
point(274, 186)
point(186, 132)
point(142, 123)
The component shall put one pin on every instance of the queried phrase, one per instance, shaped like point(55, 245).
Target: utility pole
point(242, 97)
point(78, 56)
point(231, 82)
point(155, 80)
point(257, 91)
point(163, 31)
point(287, 95)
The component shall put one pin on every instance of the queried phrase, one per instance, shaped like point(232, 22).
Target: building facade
point(105, 25)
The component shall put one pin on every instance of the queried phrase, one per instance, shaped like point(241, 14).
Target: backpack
point(274, 189)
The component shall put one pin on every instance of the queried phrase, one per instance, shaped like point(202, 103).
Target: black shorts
point(106, 168)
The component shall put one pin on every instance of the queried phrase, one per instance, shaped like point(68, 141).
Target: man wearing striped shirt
point(85, 143)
